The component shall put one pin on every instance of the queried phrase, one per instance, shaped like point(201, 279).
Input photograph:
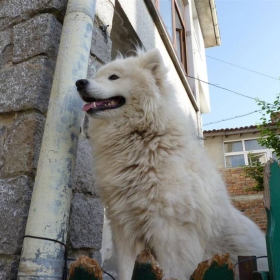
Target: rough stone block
point(6, 121)
point(15, 11)
point(100, 45)
point(95, 254)
point(5, 269)
point(39, 35)
point(22, 145)
point(5, 47)
point(93, 66)
point(26, 85)
point(15, 200)
point(83, 178)
point(86, 222)
point(9, 267)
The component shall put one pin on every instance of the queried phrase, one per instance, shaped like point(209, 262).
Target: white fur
point(159, 188)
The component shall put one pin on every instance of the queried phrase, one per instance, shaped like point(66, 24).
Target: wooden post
point(146, 267)
point(272, 206)
point(85, 268)
point(247, 268)
point(219, 268)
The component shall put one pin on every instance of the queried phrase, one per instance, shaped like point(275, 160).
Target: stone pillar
point(29, 40)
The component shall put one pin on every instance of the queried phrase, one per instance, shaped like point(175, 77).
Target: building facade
point(231, 150)
point(29, 40)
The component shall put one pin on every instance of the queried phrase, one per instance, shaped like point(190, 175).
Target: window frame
point(268, 152)
point(183, 42)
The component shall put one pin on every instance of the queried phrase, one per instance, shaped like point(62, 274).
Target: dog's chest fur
point(137, 179)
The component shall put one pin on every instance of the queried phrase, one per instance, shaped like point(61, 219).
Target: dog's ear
point(152, 60)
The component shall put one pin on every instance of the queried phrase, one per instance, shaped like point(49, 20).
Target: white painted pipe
point(50, 204)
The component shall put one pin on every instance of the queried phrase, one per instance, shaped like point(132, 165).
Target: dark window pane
point(251, 145)
point(165, 9)
point(178, 44)
point(231, 147)
point(235, 161)
point(179, 30)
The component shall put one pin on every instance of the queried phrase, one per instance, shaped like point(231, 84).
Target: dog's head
point(125, 87)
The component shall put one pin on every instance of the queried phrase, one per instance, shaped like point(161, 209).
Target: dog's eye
point(113, 77)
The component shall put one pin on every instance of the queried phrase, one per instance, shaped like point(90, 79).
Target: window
point(245, 152)
point(172, 14)
point(123, 36)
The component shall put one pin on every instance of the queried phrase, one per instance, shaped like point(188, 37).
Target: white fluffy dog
point(158, 186)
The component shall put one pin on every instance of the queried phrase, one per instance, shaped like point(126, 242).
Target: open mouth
point(94, 105)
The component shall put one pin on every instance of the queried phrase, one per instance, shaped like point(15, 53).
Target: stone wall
point(29, 39)
point(247, 201)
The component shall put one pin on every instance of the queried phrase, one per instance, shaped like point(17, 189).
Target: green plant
point(255, 172)
point(270, 125)
point(270, 130)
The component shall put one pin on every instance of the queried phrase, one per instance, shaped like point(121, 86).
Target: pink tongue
point(86, 107)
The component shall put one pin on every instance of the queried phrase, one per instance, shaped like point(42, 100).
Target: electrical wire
point(243, 95)
point(253, 98)
point(249, 259)
point(108, 274)
point(244, 68)
point(233, 117)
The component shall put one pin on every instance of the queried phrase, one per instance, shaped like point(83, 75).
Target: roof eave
point(208, 20)
point(229, 132)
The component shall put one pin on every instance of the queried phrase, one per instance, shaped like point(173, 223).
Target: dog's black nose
point(81, 83)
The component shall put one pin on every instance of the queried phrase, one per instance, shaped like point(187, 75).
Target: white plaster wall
point(215, 146)
point(201, 68)
point(214, 149)
point(198, 52)
point(143, 24)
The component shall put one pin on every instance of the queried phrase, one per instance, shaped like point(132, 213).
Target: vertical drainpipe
point(50, 204)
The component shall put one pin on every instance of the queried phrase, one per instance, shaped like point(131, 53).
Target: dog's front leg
point(178, 250)
point(126, 253)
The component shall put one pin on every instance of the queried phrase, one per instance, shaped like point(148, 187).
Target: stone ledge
point(248, 197)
